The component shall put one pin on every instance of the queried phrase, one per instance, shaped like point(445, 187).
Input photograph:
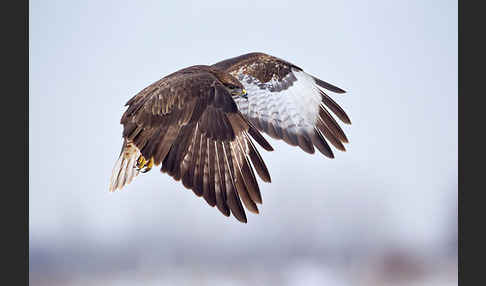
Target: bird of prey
point(201, 124)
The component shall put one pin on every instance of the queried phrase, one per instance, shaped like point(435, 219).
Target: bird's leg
point(149, 166)
point(143, 165)
point(141, 162)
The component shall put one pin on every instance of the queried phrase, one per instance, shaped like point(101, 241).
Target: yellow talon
point(141, 163)
point(149, 166)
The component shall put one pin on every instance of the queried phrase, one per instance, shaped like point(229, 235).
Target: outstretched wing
point(287, 103)
point(189, 123)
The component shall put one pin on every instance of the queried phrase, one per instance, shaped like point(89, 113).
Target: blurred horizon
point(382, 213)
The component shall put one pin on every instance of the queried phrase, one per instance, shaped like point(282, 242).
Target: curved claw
point(141, 162)
point(149, 165)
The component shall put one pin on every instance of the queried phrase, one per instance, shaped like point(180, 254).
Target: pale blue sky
point(396, 184)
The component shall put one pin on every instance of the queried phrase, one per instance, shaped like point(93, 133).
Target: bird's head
point(232, 84)
point(236, 90)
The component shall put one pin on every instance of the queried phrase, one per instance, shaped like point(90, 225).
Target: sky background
point(393, 191)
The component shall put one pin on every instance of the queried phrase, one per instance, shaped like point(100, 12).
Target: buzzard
point(201, 124)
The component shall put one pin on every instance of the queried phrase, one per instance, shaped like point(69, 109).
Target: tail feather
point(124, 170)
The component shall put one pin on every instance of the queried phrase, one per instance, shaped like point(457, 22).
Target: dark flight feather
point(328, 86)
point(335, 108)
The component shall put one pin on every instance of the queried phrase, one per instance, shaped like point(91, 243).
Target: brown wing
point(190, 124)
point(287, 103)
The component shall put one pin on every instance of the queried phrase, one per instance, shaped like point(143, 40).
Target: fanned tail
point(125, 169)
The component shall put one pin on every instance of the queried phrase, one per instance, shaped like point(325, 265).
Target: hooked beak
point(244, 94)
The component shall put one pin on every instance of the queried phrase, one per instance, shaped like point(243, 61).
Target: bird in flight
point(201, 124)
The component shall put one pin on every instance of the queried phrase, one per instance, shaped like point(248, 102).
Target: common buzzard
point(200, 123)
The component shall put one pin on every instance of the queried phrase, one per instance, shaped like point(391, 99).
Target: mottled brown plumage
point(196, 125)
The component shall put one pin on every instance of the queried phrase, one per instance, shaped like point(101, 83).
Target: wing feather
point(335, 108)
point(257, 162)
point(239, 181)
point(331, 123)
point(208, 181)
point(328, 134)
point(232, 193)
point(221, 187)
point(321, 144)
point(247, 173)
point(198, 172)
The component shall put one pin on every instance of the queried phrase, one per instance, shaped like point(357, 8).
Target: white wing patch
point(283, 113)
